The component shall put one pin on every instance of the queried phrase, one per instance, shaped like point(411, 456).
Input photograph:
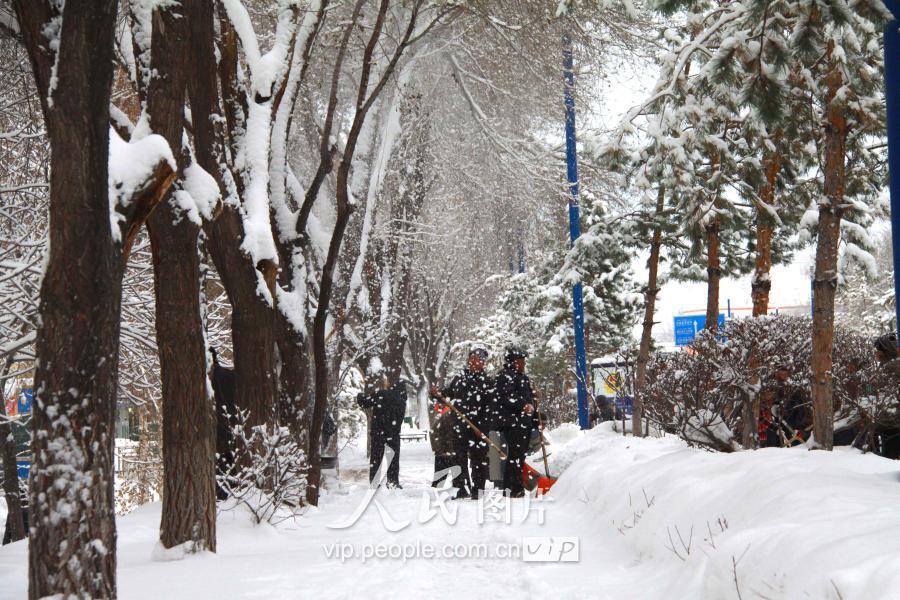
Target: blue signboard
point(23, 465)
point(626, 404)
point(25, 397)
point(686, 327)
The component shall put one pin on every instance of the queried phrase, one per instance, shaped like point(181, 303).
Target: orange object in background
point(441, 408)
point(12, 405)
point(533, 479)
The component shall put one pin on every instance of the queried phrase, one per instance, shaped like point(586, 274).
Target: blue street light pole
point(892, 98)
point(575, 232)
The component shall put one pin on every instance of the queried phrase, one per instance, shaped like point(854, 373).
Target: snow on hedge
point(776, 523)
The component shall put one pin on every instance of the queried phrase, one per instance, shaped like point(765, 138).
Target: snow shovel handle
point(476, 430)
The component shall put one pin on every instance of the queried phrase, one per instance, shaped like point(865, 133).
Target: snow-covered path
point(653, 519)
point(292, 560)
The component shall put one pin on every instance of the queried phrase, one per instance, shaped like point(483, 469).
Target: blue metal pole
point(575, 232)
point(892, 98)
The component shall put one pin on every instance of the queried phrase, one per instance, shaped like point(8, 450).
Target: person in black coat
point(514, 417)
point(7, 532)
point(226, 414)
point(388, 406)
point(471, 392)
point(791, 411)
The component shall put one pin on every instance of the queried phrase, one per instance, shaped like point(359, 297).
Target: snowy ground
point(771, 524)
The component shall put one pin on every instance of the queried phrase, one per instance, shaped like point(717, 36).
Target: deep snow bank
point(775, 523)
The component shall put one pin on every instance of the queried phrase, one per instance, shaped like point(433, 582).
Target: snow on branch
point(265, 69)
point(140, 173)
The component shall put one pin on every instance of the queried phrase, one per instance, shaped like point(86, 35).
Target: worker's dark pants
point(441, 463)
point(517, 439)
point(380, 439)
point(7, 534)
point(472, 458)
point(462, 481)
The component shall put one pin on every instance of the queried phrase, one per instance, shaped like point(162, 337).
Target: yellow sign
point(612, 383)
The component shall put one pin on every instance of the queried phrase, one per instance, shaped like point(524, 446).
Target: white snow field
point(652, 518)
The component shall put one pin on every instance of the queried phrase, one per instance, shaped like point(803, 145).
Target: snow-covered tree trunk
point(188, 414)
point(248, 285)
point(72, 550)
point(649, 310)
point(761, 283)
point(825, 280)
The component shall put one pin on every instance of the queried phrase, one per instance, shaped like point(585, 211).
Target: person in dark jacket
point(442, 439)
point(888, 431)
point(514, 417)
point(470, 392)
point(226, 413)
point(388, 406)
point(7, 532)
point(789, 414)
point(886, 353)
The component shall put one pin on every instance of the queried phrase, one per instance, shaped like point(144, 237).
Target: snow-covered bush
point(684, 396)
point(269, 473)
point(702, 394)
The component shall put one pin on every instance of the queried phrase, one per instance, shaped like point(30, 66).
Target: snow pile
point(774, 523)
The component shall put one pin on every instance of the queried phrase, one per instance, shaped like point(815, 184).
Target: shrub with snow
point(701, 394)
point(269, 473)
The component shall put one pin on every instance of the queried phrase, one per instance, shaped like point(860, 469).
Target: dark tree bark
point(826, 274)
point(294, 380)
point(72, 551)
point(649, 309)
point(189, 500)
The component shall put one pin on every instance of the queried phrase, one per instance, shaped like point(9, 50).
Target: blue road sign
point(23, 466)
point(25, 397)
point(686, 327)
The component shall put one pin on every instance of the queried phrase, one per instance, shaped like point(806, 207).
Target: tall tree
point(73, 547)
point(189, 502)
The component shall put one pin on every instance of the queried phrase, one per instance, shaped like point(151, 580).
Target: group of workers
point(466, 411)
